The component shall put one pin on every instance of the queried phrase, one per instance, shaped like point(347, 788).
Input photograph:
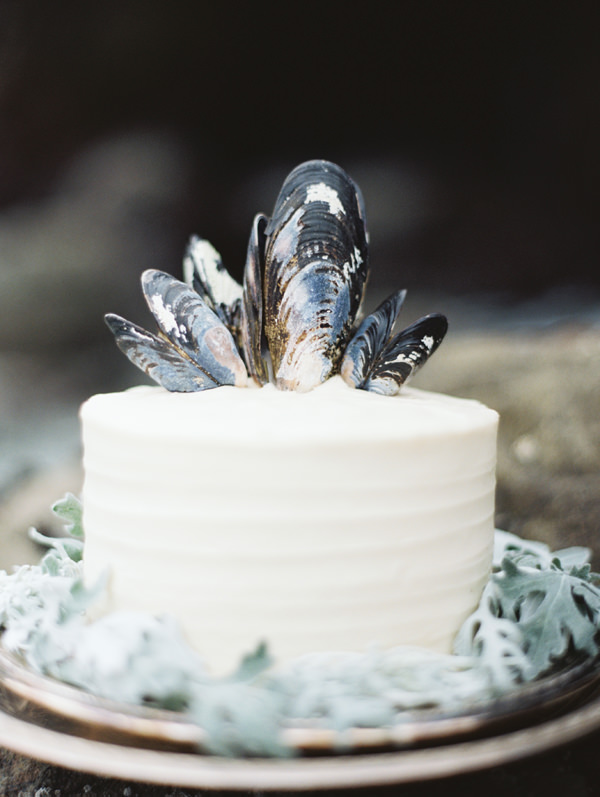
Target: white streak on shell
point(406, 353)
point(414, 356)
point(350, 267)
point(156, 356)
point(370, 339)
point(193, 328)
point(321, 192)
point(165, 317)
point(204, 258)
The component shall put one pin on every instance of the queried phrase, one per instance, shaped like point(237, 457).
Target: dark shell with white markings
point(376, 361)
point(292, 322)
point(316, 263)
point(369, 340)
point(204, 271)
point(157, 358)
point(193, 351)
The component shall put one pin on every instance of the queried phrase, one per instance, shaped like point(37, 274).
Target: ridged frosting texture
point(329, 520)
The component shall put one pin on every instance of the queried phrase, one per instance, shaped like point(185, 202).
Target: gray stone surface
point(546, 387)
point(66, 257)
point(570, 771)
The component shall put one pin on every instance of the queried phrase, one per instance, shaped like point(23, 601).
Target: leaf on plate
point(531, 619)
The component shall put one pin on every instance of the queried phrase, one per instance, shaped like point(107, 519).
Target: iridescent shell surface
point(194, 349)
point(157, 358)
point(369, 339)
point(293, 320)
point(382, 365)
point(254, 343)
point(315, 273)
point(204, 271)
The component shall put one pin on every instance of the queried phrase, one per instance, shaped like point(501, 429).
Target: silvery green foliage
point(377, 688)
point(35, 600)
point(130, 657)
point(535, 554)
point(32, 603)
point(240, 715)
point(70, 511)
point(537, 609)
point(240, 718)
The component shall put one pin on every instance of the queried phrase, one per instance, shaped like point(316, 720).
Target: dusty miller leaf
point(253, 664)
point(553, 609)
point(70, 510)
point(240, 718)
point(530, 619)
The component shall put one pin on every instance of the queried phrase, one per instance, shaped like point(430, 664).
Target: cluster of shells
point(295, 319)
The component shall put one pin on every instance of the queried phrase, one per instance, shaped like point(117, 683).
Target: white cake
point(328, 520)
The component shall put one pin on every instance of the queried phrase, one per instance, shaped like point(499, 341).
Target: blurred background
point(472, 129)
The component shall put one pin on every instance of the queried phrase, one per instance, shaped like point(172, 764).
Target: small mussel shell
point(370, 339)
point(193, 328)
point(405, 354)
point(203, 270)
point(315, 273)
point(254, 344)
point(154, 355)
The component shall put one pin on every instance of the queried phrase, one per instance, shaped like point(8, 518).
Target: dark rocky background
point(125, 126)
point(472, 129)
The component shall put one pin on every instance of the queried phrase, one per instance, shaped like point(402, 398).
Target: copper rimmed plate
point(154, 746)
point(376, 769)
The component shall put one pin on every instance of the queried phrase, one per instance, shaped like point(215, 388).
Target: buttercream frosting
point(328, 520)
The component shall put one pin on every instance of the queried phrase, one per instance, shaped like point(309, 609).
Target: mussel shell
point(154, 355)
point(315, 273)
point(193, 328)
point(370, 339)
point(203, 270)
point(405, 354)
point(253, 340)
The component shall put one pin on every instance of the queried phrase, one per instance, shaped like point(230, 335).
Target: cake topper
point(294, 321)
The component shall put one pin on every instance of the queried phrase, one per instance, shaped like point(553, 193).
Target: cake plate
point(64, 726)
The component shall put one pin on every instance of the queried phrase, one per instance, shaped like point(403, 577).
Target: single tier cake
point(327, 520)
point(282, 485)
